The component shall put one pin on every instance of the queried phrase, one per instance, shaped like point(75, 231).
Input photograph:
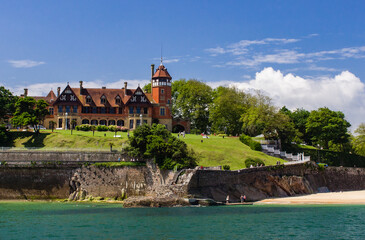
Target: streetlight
point(66, 120)
point(141, 119)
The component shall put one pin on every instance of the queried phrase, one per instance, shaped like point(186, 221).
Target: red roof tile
point(161, 72)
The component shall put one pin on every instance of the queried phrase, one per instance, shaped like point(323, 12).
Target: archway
point(111, 122)
point(120, 123)
point(102, 122)
point(94, 122)
point(85, 121)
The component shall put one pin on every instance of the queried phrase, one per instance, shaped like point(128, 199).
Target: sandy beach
point(350, 197)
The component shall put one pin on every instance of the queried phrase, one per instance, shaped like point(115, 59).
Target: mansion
point(123, 107)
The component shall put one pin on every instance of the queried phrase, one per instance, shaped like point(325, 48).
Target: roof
point(161, 72)
point(109, 93)
point(50, 98)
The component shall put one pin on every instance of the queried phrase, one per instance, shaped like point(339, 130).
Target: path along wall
point(274, 181)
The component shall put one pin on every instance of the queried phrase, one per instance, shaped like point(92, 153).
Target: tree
point(30, 112)
point(358, 142)
point(147, 88)
point(325, 126)
point(191, 100)
point(156, 142)
point(7, 103)
point(229, 104)
point(299, 118)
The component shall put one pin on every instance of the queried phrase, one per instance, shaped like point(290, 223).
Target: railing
point(298, 157)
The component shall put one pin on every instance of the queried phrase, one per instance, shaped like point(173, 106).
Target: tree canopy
point(156, 142)
point(358, 141)
point(326, 126)
point(191, 100)
point(7, 102)
point(29, 112)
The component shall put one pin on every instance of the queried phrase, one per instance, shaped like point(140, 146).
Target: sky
point(303, 54)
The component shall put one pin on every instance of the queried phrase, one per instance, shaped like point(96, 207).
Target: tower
point(161, 86)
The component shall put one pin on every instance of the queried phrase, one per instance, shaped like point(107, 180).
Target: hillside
point(212, 151)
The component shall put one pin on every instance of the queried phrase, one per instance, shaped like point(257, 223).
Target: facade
point(122, 106)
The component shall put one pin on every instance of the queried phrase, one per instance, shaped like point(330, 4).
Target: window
point(162, 111)
point(50, 111)
point(138, 110)
point(131, 122)
point(145, 110)
point(112, 110)
point(68, 109)
point(130, 110)
point(144, 121)
point(95, 110)
point(102, 110)
point(60, 123)
point(88, 99)
point(74, 109)
point(168, 101)
point(120, 123)
point(102, 99)
point(120, 110)
point(162, 91)
point(117, 100)
point(60, 109)
point(138, 122)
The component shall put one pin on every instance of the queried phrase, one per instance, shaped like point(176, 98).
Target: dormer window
point(117, 100)
point(103, 99)
point(88, 99)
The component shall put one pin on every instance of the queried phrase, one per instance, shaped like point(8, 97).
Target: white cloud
point(171, 60)
point(24, 63)
point(343, 92)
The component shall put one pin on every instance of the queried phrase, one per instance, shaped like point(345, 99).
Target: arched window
point(88, 99)
point(102, 122)
point(120, 123)
point(111, 122)
point(117, 100)
point(94, 122)
point(103, 99)
point(85, 121)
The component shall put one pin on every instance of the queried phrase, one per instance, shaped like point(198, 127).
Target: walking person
point(227, 199)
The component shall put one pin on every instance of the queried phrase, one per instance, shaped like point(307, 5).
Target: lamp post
point(140, 124)
point(66, 121)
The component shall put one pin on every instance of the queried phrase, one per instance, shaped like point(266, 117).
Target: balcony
point(68, 114)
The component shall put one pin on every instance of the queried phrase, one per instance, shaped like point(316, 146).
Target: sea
point(54, 220)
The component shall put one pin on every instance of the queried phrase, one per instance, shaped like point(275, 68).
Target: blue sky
point(301, 53)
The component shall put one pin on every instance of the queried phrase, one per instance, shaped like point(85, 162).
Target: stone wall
point(274, 181)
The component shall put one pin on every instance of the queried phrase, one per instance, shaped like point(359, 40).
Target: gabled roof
point(138, 97)
point(161, 72)
point(50, 98)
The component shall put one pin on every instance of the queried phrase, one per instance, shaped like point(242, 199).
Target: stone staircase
point(275, 152)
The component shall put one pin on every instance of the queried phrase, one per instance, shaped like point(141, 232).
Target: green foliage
point(228, 106)
point(7, 103)
point(83, 127)
point(4, 136)
point(102, 128)
point(250, 142)
point(325, 126)
point(113, 128)
point(191, 101)
point(226, 167)
point(358, 142)
point(147, 88)
point(254, 162)
point(29, 112)
point(157, 143)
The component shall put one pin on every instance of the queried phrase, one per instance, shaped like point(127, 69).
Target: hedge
point(254, 162)
point(251, 143)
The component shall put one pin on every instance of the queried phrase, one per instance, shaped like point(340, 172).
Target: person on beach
point(227, 199)
point(241, 198)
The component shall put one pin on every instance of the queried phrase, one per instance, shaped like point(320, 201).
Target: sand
point(350, 197)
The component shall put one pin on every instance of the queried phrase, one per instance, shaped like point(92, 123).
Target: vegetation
point(358, 141)
point(254, 162)
point(118, 164)
point(157, 143)
point(250, 142)
point(29, 112)
point(7, 104)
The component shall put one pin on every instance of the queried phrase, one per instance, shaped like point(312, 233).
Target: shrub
point(102, 128)
point(124, 129)
point(222, 135)
point(226, 167)
point(254, 162)
point(251, 143)
point(83, 127)
point(113, 128)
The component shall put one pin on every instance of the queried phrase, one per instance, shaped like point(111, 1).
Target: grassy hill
point(212, 151)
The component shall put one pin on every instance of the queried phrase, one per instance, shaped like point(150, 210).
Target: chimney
point(125, 88)
point(152, 72)
point(58, 91)
point(81, 87)
point(25, 92)
point(103, 87)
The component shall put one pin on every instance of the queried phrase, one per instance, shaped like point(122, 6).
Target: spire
point(161, 56)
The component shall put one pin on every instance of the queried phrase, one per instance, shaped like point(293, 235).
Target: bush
point(251, 143)
point(113, 128)
point(124, 129)
point(83, 127)
point(102, 128)
point(254, 162)
point(226, 167)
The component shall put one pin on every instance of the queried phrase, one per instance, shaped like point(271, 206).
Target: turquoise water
point(42, 220)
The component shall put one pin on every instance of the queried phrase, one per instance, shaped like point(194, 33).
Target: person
point(244, 198)
point(227, 199)
point(128, 134)
point(241, 198)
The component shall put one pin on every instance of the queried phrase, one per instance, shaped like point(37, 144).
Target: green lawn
point(218, 151)
point(213, 151)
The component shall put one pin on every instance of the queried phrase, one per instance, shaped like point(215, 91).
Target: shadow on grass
point(36, 140)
